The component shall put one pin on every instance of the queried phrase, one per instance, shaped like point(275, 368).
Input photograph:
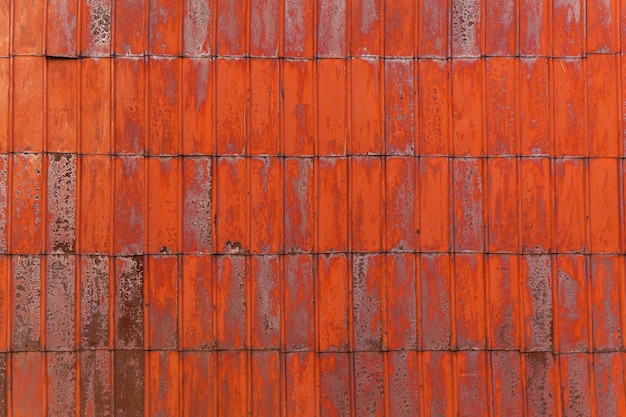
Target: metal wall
point(299, 208)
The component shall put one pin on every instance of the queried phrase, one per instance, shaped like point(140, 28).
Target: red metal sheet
point(399, 28)
point(128, 207)
point(501, 27)
point(96, 26)
point(231, 106)
point(95, 105)
point(233, 276)
point(369, 382)
point(504, 307)
point(367, 302)
point(198, 299)
point(26, 275)
point(300, 216)
point(434, 107)
point(61, 200)
point(163, 383)
point(365, 27)
point(536, 277)
point(434, 206)
point(263, 137)
point(298, 108)
point(537, 207)
point(265, 317)
point(128, 383)
point(365, 206)
point(165, 32)
point(95, 304)
point(602, 107)
point(502, 205)
point(332, 305)
point(28, 384)
point(299, 307)
point(501, 106)
point(301, 381)
point(467, 107)
point(569, 110)
point(332, 28)
point(366, 131)
point(298, 37)
point(131, 128)
point(130, 37)
point(469, 296)
point(466, 27)
point(62, 105)
point(95, 225)
point(438, 380)
point(401, 210)
point(435, 302)
point(400, 315)
point(164, 106)
point(265, 28)
point(27, 195)
point(198, 112)
point(433, 37)
point(534, 113)
point(568, 28)
point(541, 370)
point(129, 313)
point(232, 24)
point(6, 293)
point(61, 28)
point(535, 30)
point(62, 386)
point(231, 208)
point(197, 229)
point(60, 301)
point(28, 104)
point(572, 309)
point(27, 32)
point(332, 107)
point(571, 212)
point(404, 382)
point(199, 383)
point(164, 205)
point(334, 379)
point(266, 374)
point(96, 386)
point(506, 385)
point(605, 275)
point(266, 205)
point(399, 107)
point(197, 27)
point(333, 204)
point(162, 303)
point(232, 385)
point(575, 383)
point(5, 105)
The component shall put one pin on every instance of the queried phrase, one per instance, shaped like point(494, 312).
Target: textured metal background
point(299, 208)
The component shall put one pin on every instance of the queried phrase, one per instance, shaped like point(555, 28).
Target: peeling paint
point(60, 302)
point(61, 202)
point(26, 302)
point(129, 303)
point(94, 302)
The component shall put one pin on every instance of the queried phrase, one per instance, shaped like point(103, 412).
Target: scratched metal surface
point(299, 208)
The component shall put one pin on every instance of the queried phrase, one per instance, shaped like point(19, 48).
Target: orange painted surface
point(312, 208)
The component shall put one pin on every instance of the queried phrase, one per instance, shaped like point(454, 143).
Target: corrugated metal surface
point(308, 208)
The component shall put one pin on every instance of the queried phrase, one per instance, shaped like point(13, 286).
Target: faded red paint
point(311, 208)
